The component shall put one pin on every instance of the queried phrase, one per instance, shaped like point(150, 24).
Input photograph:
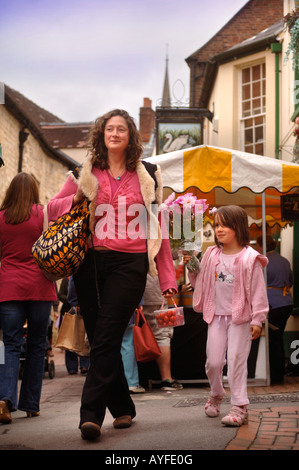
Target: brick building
point(254, 17)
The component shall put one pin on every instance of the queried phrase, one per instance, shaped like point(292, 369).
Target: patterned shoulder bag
point(61, 248)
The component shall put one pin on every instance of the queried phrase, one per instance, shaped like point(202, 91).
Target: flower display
point(184, 217)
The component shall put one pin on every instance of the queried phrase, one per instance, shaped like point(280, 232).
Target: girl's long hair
point(234, 217)
point(98, 149)
point(21, 195)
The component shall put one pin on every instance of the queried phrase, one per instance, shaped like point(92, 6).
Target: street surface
point(170, 426)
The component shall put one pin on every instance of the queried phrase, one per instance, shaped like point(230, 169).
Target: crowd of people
point(125, 268)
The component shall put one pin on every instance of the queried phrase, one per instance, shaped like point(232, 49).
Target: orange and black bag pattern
point(61, 248)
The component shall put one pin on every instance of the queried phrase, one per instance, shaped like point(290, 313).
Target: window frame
point(259, 118)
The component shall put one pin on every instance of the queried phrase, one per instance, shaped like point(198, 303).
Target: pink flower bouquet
point(184, 219)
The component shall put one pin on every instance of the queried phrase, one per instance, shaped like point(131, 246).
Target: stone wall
point(49, 172)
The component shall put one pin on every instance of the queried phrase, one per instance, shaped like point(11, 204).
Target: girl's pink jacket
point(250, 302)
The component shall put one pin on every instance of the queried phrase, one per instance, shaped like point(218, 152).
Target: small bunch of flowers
point(186, 200)
point(183, 217)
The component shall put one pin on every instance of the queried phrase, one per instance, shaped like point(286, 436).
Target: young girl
point(230, 291)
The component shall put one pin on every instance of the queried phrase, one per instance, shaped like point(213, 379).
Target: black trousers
point(121, 279)
point(278, 318)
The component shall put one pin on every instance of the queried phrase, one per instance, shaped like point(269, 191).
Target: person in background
point(67, 295)
point(280, 279)
point(62, 297)
point(26, 296)
point(129, 357)
point(111, 280)
point(229, 289)
point(53, 318)
point(152, 301)
point(74, 360)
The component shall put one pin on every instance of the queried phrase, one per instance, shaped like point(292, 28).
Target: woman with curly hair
point(124, 247)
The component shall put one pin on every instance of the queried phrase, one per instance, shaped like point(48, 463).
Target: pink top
point(224, 283)
point(118, 206)
point(20, 277)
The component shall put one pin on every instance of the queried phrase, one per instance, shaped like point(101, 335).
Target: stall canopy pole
point(265, 277)
point(264, 229)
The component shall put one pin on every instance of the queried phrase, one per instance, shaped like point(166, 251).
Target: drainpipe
point(22, 139)
point(276, 48)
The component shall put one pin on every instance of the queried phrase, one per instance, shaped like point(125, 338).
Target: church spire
point(166, 102)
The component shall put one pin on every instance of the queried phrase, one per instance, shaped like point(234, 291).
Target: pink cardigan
point(250, 302)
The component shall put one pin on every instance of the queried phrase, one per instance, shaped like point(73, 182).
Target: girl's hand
point(255, 331)
point(186, 258)
point(169, 293)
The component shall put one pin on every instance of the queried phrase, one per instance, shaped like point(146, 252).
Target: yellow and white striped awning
point(218, 173)
point(208, 167)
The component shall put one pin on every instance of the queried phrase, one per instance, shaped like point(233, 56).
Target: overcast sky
point(81, 58)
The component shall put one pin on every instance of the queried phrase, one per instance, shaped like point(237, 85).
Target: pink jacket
point(138, 188)
point(250, 302)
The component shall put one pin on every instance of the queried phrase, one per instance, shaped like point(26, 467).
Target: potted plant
point(291, 21)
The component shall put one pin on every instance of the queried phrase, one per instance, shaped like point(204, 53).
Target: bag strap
point(46, 220)
point(74, 310)
point(76, 172)
point(139, 314)
point(173, 301)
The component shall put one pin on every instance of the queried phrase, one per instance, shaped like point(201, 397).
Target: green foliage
point(292, 23)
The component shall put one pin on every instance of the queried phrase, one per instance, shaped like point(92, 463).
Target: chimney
point(146, 120)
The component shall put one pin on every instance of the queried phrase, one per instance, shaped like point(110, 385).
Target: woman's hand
point(255, 331)
point(169, 293)
point(78, 196)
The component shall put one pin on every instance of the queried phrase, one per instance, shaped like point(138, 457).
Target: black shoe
point(171, 385)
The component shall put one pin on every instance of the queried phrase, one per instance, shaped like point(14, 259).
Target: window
point(253, 108)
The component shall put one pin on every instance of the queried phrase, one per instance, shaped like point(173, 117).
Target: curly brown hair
point(98, 149)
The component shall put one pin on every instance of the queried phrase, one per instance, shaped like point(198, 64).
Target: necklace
point(118, 178)
point(223, 262)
